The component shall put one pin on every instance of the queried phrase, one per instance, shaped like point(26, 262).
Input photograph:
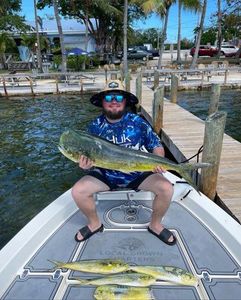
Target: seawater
point(197, 102)
point(33, 173)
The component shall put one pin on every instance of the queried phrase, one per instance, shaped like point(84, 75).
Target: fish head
point(69, 153)
point(73, 145)
point(189, 279)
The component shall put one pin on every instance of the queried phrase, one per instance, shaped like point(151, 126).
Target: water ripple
point(33, 173)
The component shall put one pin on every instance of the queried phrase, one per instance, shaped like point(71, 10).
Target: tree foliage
point(29, 40)
point(6, 43)
point(209, 36)
point(9, 18)
point(231, 20)
point(104, 18)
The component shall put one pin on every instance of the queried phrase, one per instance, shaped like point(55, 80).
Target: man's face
point(114, 105)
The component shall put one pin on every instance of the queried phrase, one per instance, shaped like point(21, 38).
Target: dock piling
point(128, 81)
point(57, 84)
point(139, 87)
point(213, 140)
point(214, 99)
point(156, 79)
point(4, 87)
point(174, 88)
point(31, 85)
point(226, 76)
point(157, 109)
point(81, 85)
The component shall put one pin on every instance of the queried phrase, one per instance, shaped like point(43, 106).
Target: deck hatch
point(223, 289)
point(31, 287)
point(132, 213)
point(60, 246)
point(204, 249)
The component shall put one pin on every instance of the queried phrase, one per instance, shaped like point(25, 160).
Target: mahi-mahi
point(105, 154)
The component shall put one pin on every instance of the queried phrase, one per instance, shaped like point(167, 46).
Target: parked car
point(233, 54)
point(228, 49)
point(139, 54)
point(133, 53)
point(205, 50)
point(154, 52)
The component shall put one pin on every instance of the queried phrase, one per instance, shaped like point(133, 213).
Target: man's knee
point(81, 188)
point(165, 187)
point(87, 186)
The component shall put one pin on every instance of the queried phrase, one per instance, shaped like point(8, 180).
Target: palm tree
point(162, 8)
point(199, 34)
point(193, 5)
point(167, 4)
point(219, 27)
point(125, 25)
point(38, 47)
point(61, 37)
point(86, 32)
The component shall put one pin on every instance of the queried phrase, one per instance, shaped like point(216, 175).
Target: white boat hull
point(208, 245)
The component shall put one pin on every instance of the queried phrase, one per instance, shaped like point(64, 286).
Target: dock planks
point(183, 132)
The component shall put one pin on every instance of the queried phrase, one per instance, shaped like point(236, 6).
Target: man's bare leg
point(163, 190)
point(82, 193)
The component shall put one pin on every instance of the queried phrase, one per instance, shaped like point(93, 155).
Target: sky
point(189, 19)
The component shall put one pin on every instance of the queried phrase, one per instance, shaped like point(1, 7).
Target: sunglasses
point(110, 97)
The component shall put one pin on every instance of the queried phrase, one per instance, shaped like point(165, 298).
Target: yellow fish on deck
point(167, 273)
point(126, 279)
point(112, 292)
point(102, 266)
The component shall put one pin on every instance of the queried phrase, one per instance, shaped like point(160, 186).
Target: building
point(74, 33)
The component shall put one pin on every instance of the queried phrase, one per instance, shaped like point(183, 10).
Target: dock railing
point(201, 74)
point(9, 81)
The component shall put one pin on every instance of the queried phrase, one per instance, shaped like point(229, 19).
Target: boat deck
point(125, 216)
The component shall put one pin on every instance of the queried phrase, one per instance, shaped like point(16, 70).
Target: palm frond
point(153, 6)
point(191, 5)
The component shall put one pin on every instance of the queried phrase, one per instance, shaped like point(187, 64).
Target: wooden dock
point(183, 134)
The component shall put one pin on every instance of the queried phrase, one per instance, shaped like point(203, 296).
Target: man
point(127, 130)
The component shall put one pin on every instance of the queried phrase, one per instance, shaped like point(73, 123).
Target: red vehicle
point(205, 51)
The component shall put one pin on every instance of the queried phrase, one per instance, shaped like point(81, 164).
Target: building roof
point(68, 25)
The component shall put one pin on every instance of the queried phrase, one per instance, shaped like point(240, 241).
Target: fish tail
point(186, 169)
point(185, 172)
point(57, 264)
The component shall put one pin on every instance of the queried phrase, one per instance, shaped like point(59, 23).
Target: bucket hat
point(114, 86)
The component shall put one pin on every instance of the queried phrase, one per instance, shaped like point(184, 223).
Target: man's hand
point(85, 163)
point(160, 152)
point(159, 169)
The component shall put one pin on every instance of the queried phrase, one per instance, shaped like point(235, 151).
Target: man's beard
point(114, 115)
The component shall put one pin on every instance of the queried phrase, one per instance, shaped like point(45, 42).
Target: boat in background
point(208, 246)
